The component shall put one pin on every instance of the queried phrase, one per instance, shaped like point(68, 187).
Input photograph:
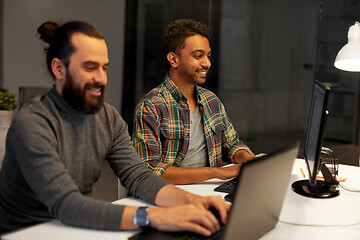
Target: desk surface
point(301, 217)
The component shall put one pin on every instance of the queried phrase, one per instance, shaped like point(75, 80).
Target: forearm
point(178, 175)
point(127, 219)
point(170, 195)
point(81, 211)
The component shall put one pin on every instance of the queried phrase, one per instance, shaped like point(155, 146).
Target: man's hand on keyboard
point(195, 217)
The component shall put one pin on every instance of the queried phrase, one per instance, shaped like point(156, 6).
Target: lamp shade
point(348, 58)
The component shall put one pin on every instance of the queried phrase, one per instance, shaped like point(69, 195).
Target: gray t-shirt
point(196, 155)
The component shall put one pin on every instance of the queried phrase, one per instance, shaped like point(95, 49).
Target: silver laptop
point(257, 201)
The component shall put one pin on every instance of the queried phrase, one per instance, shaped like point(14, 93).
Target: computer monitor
point(312, 150)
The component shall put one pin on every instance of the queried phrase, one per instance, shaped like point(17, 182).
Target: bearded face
point(82, 80)
point(78, 98)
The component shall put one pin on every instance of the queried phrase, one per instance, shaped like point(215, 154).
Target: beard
point(76, 96)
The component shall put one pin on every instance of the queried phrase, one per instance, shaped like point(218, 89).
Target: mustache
point(95, 85)
point(204, 68)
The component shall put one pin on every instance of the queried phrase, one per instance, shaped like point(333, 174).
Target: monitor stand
point(322, 189)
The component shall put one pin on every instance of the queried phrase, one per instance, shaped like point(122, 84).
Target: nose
point(101, 77)
point(206, 63)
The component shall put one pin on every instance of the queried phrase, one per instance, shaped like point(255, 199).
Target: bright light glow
point(351, 65)
point(348, 58)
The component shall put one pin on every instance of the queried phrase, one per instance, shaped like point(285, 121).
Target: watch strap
point(141, 218)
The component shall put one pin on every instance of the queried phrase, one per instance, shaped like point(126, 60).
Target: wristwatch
point(141, 218)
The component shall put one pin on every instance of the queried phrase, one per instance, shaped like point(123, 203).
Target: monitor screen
point(316, 129)
point(312, 149)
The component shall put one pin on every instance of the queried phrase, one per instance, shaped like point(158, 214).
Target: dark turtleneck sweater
point(54, 156)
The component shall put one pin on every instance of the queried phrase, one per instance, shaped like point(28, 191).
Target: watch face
point(141, 217)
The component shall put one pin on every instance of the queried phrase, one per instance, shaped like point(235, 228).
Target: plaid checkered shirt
point(161, 133)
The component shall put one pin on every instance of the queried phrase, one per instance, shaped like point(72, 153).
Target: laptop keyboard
point(228, 186)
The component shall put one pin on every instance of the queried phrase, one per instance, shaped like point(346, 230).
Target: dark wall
point(144, 60)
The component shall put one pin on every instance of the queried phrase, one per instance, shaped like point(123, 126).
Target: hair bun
point(46, 30)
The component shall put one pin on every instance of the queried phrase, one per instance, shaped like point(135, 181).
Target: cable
point(349, 188)
point(318, 225)
point(328, 151)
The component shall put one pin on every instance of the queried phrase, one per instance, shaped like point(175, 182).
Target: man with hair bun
point(57, 143)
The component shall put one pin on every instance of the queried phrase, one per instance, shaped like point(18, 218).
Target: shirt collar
point(62, 104)
point(173, 89)
point(176, 92)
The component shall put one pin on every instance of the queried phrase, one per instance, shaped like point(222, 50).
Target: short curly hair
point(178, 31)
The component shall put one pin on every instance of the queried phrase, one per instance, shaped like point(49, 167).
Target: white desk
point(306, 218)
point(336, 218)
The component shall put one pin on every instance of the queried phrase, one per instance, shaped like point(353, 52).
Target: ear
point(173, 59)
point(58, 68)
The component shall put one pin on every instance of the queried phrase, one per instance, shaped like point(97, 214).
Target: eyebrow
point(200, 51)
point(94, 63)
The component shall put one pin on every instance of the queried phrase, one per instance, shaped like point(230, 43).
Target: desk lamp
point(348, 58)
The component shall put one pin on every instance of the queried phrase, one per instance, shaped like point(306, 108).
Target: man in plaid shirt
point(181, 130)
